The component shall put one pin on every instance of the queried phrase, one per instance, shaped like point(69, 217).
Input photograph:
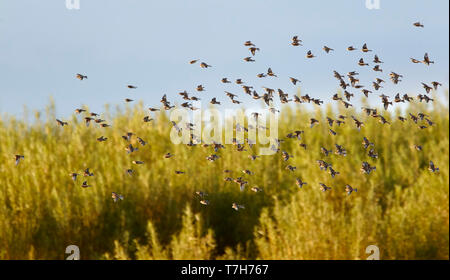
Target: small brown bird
point(137, 162)
point(398, 99)
point(346, 104)
point(323, 165)
point(348, 95)
point(204, 202)
point(366, 168)
point(129, 171)
point(332, 172)
point(366, 92)
point(357, 123)
point(349, 189)
point(85, 185)
point(200, 88)
point(270, 73)
point(377, 68)
point(153, 109)
point(236, 206)
point(294, 80)
point(340, 150)
point(88, 120)
point(413, 118)
point(362, 63)
point(253, 157)
point(81, 77)
point(141, 141)
point(436, 84)
point(253, 50)
point(201, 194)
point(74, 176)
point(426, 59)
point(239, 82)
point(249, 44)
point(286, 156)
point(87, 173)
point(377, 60)
point(212, 157)
point(313, 122)
point(372, 154)
point(324, 187)
point(128, 100)
point(214, 101)
point(291, 168)
point(147, 119)
point(248, 172)
point(204, 65)
point(101, 139)
point(330, 121)
point(427, 87)
point(418, 24)
point(309, 54)
point(350, 48)
point(300, 183)
point(225, 81)
point(413, 60)
point(116, 196)
point(127, 136)
point(131, 87)
point(296, 41)
point(79, 111)
point(327, 49)
point(365, 49)
point(407, 98)
point(256, 189)
point(168, 155)
point(193, 61)
point(179, 172)
point(432, 167)
point(402, 119)
point(105, 125)
point(367, 143)
point(61, 123)
point(249, 59)
point(261, 75)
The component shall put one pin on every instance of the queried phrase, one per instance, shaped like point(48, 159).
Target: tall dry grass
point(401, 207)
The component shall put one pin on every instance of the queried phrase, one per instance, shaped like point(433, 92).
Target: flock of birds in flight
point(267, 97)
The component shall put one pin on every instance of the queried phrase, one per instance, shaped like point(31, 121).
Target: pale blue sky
point(149, 43)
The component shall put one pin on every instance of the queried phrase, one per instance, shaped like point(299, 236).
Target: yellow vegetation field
point(401, 207)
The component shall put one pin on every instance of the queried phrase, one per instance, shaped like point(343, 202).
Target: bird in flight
point(116, 197)
point(18, 158)
point(81, 77)
point(309, 54)
point(432, 167)
point(327, 49)
point(349, 189)
point(61, 123)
